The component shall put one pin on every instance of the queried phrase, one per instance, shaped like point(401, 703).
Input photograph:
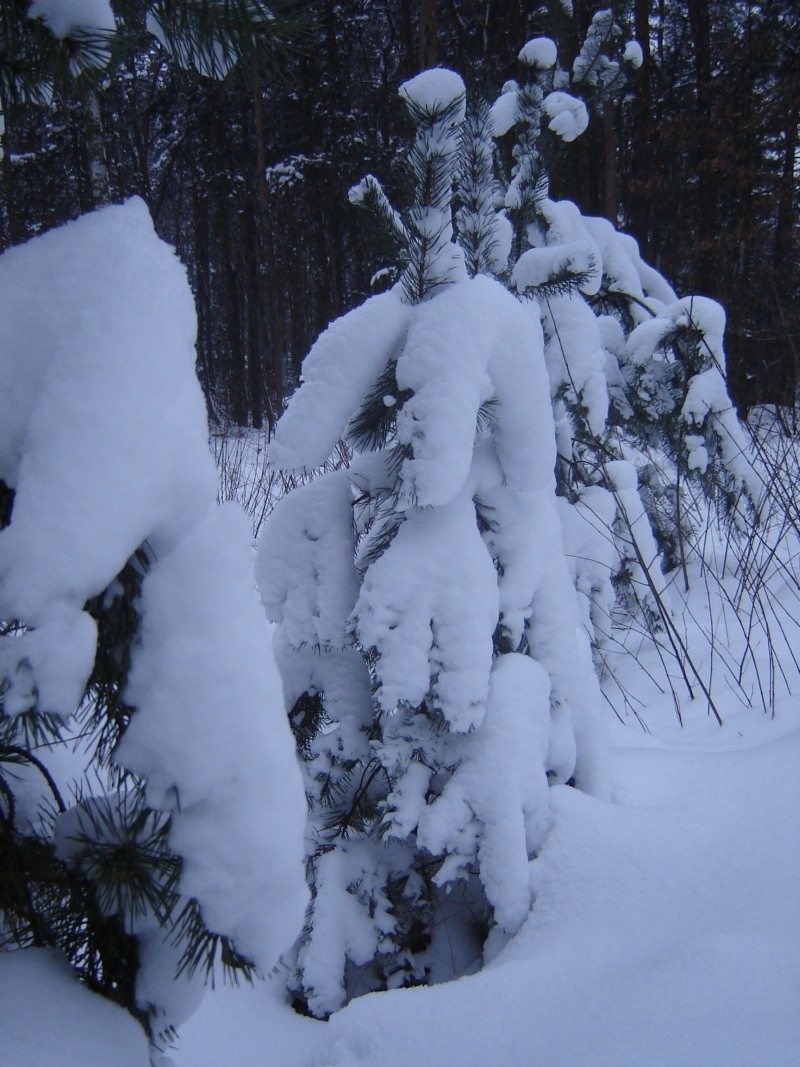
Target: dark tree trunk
point(640, 200)
point(428, 44)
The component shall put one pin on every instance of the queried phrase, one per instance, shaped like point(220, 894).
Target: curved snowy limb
point(338, 371)
point(428, 607)
point(304, 567)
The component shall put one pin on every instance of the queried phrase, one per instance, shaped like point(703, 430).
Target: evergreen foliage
point(423, 637)
point(401, 837)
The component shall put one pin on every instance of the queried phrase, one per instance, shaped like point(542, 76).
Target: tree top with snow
point(435, 90)
point(540, 52)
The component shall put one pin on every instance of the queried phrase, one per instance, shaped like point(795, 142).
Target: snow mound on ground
point(663, 932)
point(50, 1018)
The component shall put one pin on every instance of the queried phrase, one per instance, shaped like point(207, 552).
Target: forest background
point(247, 175)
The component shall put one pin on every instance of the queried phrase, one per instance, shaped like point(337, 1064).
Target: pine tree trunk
point(428, 47)
point(786, 217)
point(13, 234)
point(610, 194)
point(407, 31)
point(642, 147)
point(700, 25)
point(99, 185)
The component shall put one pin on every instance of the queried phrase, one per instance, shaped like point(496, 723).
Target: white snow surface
point(48, 1017)
point(429, 606)
point(568, 115)
point(633, 54)
point(435, 90)
point(211, 739)
point(505, 111)
point(511, 747)
point(313, 594)
point(340, 368)
point(540, 52)
point(100, 314)
point(103, 436)
point(663, 932)
point(104, 430)
point(65, 17)
point(537, 266)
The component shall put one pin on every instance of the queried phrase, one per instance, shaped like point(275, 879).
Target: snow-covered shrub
point(126, 595)
point(636, 376)
point(436, 676)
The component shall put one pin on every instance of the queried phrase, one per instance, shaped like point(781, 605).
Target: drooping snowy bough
point(127, 592)
point(436, 675)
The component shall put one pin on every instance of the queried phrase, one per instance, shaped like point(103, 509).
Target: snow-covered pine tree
point(435, 675)
point(127, 597)
point(644, 423)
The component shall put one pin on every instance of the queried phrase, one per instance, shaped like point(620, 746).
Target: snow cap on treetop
point(435, 90)
point(540, 52)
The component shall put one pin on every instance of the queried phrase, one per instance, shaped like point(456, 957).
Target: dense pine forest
point(694, 153)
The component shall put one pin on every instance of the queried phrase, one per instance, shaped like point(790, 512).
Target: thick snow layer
point(621, 260)
point(100, 315)
point(103, 435)
point(633, 54)
point(65, 17)
point(707, 399)
point(436, 90)
point(568, 115)
point(663, 932)
point(505, 111)
point(48, 667)
point(338, 371)
point(459, 355)
point(444, 361)
point(313, 592)
point(103, 426)
point(540, 52)
point(429, 607)
point(655, 286)
point(537, 266)
point(212, 742)
point(510, 747)
point(48, 1017)
point(575, 357)
point(699, 313)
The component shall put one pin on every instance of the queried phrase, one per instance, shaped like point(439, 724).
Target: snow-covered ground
point(665, 930)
